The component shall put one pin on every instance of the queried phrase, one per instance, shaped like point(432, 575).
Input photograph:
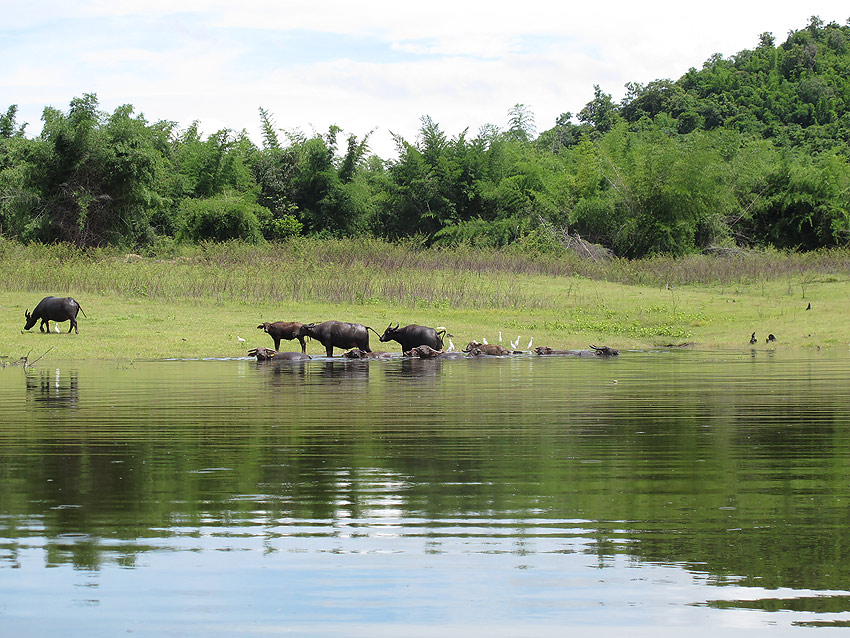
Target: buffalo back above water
point(54, 309)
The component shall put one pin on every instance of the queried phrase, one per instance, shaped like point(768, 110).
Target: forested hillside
point(750, 150)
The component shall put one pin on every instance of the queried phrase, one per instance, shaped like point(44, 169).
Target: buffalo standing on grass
point(56, 309)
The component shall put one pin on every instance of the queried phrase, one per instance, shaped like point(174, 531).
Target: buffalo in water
point(288, 330)
point(427, 352)
point(338, 334)
point(56, 309)
point(357, 353)
point(595, 351)
point(413, 335)
point(267, 354)
point(475, 349)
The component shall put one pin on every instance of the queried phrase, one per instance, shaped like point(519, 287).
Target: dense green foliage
point(750, 150)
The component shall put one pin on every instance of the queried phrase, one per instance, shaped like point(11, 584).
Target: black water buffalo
point(413, 335)
point(338, 334)
point(288, 330)
point(475, 349)
point(56, 309)
point(602, 351)
point(357, 353)
point(266, 354)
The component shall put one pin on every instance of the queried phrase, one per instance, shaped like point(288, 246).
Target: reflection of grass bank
point(195, 302)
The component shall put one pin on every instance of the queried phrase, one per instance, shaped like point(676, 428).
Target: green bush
point(219, 219)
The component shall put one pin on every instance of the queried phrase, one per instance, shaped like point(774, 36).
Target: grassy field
point(197, 302)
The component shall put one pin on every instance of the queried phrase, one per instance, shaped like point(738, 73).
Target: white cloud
point(365, 65)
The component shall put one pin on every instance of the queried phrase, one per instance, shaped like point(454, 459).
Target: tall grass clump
point(370, 271)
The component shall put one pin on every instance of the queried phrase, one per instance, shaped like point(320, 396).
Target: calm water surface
point(646, 495)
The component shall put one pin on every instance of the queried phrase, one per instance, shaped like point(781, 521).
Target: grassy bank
point(197, 302)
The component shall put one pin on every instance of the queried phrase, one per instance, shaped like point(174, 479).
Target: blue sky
point(370, 66)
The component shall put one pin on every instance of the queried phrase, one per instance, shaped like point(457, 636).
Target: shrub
point(220, 218)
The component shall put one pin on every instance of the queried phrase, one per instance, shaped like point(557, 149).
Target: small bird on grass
point(809, 307)
point(240, 339)
point(770, 338)
point(753, 340)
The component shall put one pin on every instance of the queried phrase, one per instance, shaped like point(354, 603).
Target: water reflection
point(533, 487)
point(52, 388)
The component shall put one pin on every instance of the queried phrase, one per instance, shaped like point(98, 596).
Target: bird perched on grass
point(770, 338)
point(240, 339)
point(753, 340)
point(809, 307)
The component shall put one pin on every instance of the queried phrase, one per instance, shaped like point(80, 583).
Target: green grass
point(196, 301)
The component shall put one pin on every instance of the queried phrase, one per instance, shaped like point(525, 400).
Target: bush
point(219, 219)
point(481, 233)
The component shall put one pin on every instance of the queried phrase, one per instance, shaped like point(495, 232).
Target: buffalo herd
point(417, 341)
point(422, 342)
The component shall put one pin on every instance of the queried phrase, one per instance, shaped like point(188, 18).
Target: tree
point(601, 112)
point(521, 123)
point(95, 176)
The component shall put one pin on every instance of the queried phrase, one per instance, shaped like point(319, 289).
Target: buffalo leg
point(43, 322)
point(276, 343)
point(330, 350)
point(74, 327)
point(303, 345)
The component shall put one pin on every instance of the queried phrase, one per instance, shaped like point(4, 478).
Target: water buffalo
point(288, 330)
point(414, 335)
point(338, 334)
point(357, 353)
point(603, 351)
point(427, 352)
point(475, 349)
point(266, 354)
point(56, 309)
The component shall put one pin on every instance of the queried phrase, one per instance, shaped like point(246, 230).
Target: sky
point(374, 66)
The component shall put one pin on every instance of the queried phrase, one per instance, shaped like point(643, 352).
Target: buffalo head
point(390, 333)
point(30, 319)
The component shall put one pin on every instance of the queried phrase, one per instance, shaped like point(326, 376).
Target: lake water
point(645, 495)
